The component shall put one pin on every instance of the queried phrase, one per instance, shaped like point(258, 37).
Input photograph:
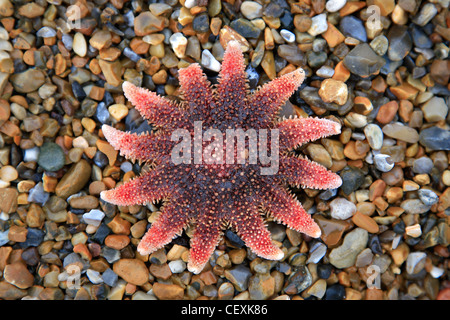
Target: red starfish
point(215, 196)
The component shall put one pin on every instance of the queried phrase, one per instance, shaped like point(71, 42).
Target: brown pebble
point(74, 179)
point(365, 222)
point(119, 225)
point(18, 275)
point(132, 270)
point(387, 112)
point(117, 241)
point(168, 291)
point(8, 199)
point(17, 234)
point(9, 291)
point(161, 271)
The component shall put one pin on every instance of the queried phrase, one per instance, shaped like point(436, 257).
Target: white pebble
point(179, 43)
point(383, 162)
point(31, 154)
point(335, 5)
point(94, 276)
point(436, 272)
point(325, 72)
point(288, 36)
point(190, 3)
point(177, 266)
point(319, 24)
point(209, 62)
point(93, 217)
point(342, 209)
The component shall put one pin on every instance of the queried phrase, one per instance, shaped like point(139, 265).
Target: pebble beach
point(380, 68)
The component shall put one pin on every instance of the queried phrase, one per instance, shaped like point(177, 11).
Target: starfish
point(215, 196)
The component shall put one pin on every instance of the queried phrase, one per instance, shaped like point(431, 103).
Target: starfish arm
point(285, 208)
point(298, 172)
point(207, 235)
point(171, 222)
point(295, 132)
point(154, 108)
point(196, 92)
point(250, 226)
point(149, 187)
point(266, 102)
point(133, 146)
point(232, 89)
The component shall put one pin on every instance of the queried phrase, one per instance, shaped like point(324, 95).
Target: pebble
point(345, 255)
point(428, 197)
point(245, 28)
point(435, 109)
point(352, 179)
point(168, 291)
point(31, 154)
point(133, 271)
point(79, 44)
point(177, 266)
point(365, 222)
point(299, 280)
point(427, 13)
point(318, 24)
point(422, 165)
point(94, 276)
point(374, 136)
point(74, 179)
point(335, 292)
point(414, 206)
point(38, 195)
point(18, 275)
point(350, 26)
point(342, 209)
point(318, 251)
point(51, 157)
point(110, 278)
point(94, 217)
point(9, 291)
point(383, 162)
point(28, 81)
point(415, 262)
point(179, 44)
point(335, 5)
point(209, 61)
point(400, 42)
point(363, 61)
point(380, 45)
point(333, 91)
point(251, 10)
point(239, 276)
point(401, 132)
point(287, 35)
point(435, 138)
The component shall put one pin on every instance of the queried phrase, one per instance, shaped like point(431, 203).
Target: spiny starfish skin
point(217, 196)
